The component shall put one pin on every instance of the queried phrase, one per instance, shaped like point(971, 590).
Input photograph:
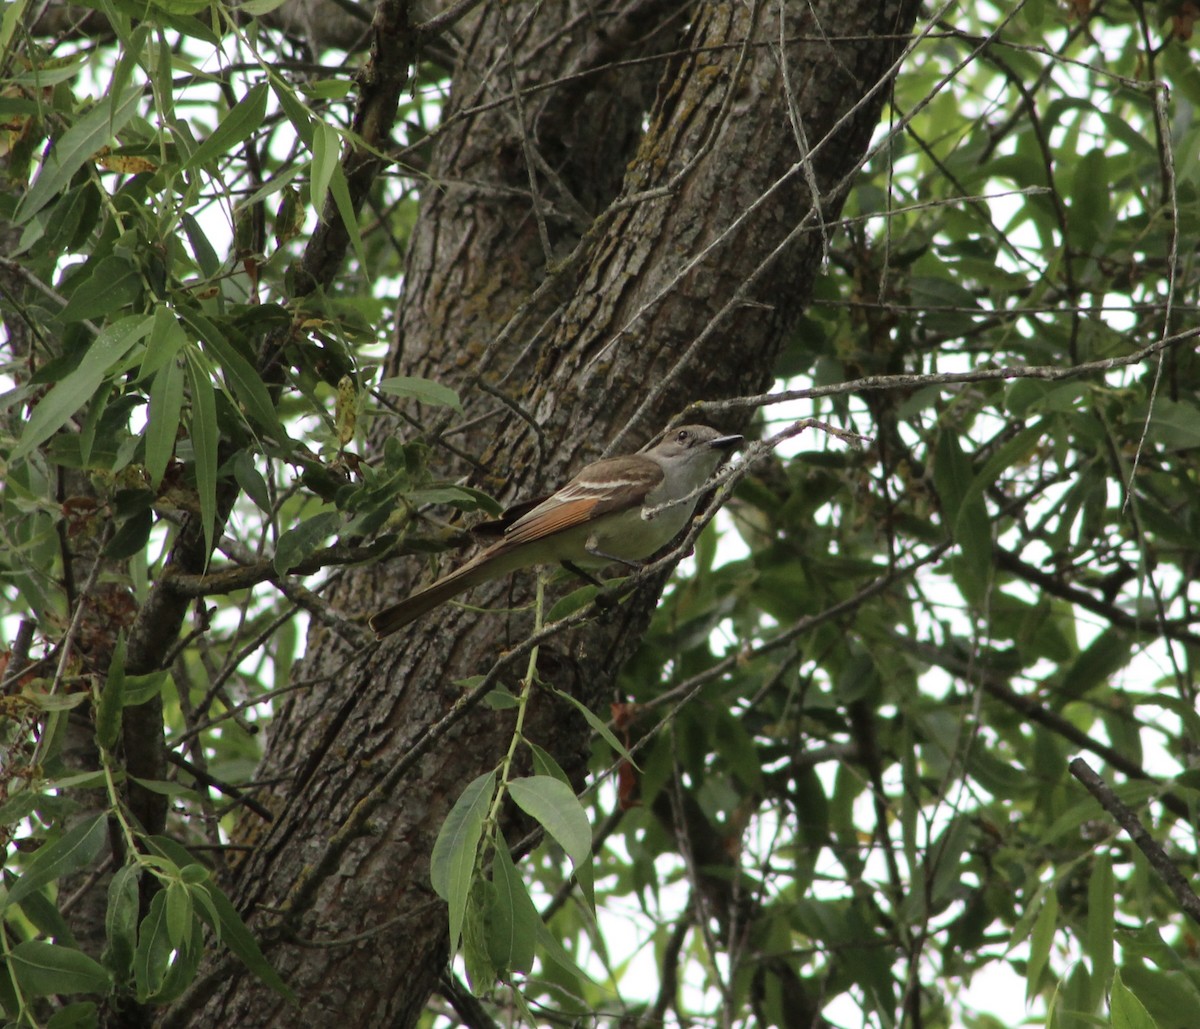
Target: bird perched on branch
point(618, 510)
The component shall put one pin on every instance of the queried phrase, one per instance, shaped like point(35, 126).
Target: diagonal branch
point(1189, 903)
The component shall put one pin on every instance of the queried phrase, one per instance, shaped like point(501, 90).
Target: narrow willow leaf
point(162, 426)
point(75, 147)
point(153, 954)
point(452, 864)
point(554, 806)
point(1040, 942)
point(43, 969)
point(120, 920)
point(243, 381)
point(345, 207)
point(514, 920)
point(238, 938)
point(299, 115)
point(242, 121)
point(112, 698)
point(205, 435)
point(1099, 940)
point(75, 849)
point(476, 949)
point(1127, 1011)
point(598, 726)
point(326, 148)
point(13, 14)
point(111, 283)
point(54, 410)
point(298, 543)
point(424, 390)
point(251, 480)
point(179, 913)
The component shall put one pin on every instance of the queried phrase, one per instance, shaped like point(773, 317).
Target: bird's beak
point(726, 442)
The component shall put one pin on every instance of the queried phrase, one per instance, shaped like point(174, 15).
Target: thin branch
point(447, 18)
point(228, 789)
point(1124, 816)
point(910, 381)
point(230, 580)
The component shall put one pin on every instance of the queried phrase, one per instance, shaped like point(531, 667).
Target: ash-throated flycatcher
point(596, 519)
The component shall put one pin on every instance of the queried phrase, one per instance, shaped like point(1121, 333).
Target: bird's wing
point(606, 487)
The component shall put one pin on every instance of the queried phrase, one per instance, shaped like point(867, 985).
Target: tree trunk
point(647, 269)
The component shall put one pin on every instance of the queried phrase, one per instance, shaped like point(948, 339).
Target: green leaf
point(1101, 925)
point(598, 726)
point(1169, 996)
point(512, 932)
point(153, 954)
point(554, 806)
point(302, 121)
point(1090, 200)
point(206, 256)
point(12, 17)
point(1108, 653)
point(1127, 1011)
point(52, 701)
point(43, 914)
point(243, 120)
point(965, 516)
point(20, 804)
point(75, 849)
point(237, 937)
point(166, 405)
point(112, 698)
point(459, 496)
point(251, 480)
point(1040, 943)
point(424, 390)
point(243, 380)
point(167, 338)
point(194, 874)
point(181, 972)
point(131, 537)
point(44, 969)
point(205, 435)
point(140, 688)
point(80, 1015)
point(544, 763)
point(120, 919)
point(75, 147)
point(179, 913)
point(298, 543)
point(110, 283)
point(1171, 423)
point(182, 8)
point(78, 386)
point(345, 207)
point(216, 910)
point(452, 864)
point(326, 148)
point(554, 951)
point(476, 949)
point(93, 780)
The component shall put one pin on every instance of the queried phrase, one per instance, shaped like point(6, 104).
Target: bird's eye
point(683, 436)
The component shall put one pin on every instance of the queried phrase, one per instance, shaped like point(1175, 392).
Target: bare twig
point(1124, 816)
point(913, 381)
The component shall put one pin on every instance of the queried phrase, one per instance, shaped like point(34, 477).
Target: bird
point(601, 517)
